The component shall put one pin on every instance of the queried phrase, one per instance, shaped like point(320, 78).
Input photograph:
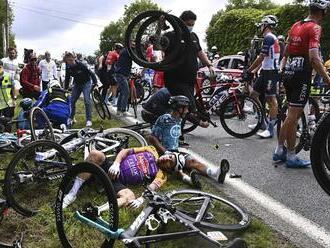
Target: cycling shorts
point(267, 83)
point(117, 185)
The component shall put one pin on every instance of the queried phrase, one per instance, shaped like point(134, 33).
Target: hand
point(36, 88)
point(114, 170)
point(136, 203)
point(211, 70)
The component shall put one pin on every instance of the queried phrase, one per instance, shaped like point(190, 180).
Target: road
point(289, 200)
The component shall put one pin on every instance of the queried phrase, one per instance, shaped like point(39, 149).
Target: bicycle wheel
point(147, 89)
point(301, 128)
point(107, 111)
point(40, 125)
point(238, 113)
point(31, 176)
point(118, 138)
point(220, 213)
point(319, 152)
point(73, 232)
point(139, 91)
point(98, 103)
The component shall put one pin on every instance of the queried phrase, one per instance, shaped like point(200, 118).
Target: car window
point(237, 63)
point(223, 64)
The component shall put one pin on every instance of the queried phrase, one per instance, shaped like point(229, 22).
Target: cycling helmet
point(54, 83)
point(281, 38)
point(119, 46)
point(214, 48)
point(177, 102)
point(26, 104)
point(269, 20)
point(180, 160)
point(320, 4)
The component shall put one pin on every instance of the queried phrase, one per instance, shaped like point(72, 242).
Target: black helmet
point(26, 104)
point(177, 102)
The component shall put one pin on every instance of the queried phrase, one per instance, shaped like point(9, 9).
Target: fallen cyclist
point(165, 138)
point(132, 167)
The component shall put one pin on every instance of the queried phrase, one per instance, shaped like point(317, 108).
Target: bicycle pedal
point(217, 236)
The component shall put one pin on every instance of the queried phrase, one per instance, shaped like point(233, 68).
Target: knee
point(96, 157)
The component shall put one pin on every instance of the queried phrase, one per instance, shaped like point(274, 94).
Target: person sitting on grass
point(131, 167)
point(165, 137)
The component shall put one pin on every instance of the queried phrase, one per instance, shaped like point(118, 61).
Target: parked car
point(230, 62)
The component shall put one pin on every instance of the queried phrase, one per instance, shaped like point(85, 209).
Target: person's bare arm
point(316, 63)
point(256, 63)
point(203, 57)
point(122, 155)
point(156, 143)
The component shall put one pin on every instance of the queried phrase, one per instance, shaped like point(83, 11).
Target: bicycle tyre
point(34, 113)
point(108, 191)
point(98, 103)
point(231, 104)
point(241, 223)
point(281, 118)
point(139, 91)
point(147, 89)
point(11, 176)
point(320, 169)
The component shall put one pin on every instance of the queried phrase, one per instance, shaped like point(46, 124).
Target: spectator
point(82, 82)
point(7, 96)
point(56, 103)
point(30, 78)
point(111, 61)
point(48, 70)
point(11, 66)
point(327, 64)
point(122, 72)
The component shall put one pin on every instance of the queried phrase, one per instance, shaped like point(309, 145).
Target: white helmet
point(217, 56)
point(54, 83)
point(320, 4)
point(269, 20)
point(214, 48)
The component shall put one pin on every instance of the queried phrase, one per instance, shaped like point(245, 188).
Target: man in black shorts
point(302, 54)
point(181, 80)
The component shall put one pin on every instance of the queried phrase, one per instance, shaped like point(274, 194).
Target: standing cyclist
point(302, 54)
point(268, 80)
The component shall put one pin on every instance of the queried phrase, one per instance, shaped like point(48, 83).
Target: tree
point(115, 31)
point(255, 4)
point(2, 21)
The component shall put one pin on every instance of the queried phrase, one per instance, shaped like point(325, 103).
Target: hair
point(11, 49)
point(188, 15)
point(69, 55)
point(313, 10)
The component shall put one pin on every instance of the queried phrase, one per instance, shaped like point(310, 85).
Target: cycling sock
point(187, 179)
point(279, 149)
point(291, 155)
point(213, 172)
point(271, 125)
point(76, 186)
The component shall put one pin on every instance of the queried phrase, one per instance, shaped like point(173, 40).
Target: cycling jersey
point(271, 51)
point(303, 36)
point(167, 130)
point(140, 163)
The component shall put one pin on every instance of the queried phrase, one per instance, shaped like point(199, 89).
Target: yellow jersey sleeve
point(150, 149)
point(160, 179)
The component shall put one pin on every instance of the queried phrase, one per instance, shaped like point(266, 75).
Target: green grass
point(40, 230)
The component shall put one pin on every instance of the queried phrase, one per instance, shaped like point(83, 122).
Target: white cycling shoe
point(67, 200)
point(265, 134)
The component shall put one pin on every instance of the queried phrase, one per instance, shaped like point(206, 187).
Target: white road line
point(311, 229)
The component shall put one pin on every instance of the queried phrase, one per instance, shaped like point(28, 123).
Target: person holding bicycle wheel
point(302, 55)
point(267, 84)
point(181, 80)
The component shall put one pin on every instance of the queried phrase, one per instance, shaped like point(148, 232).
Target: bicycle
point(42, 162)
point(136, 90)
point(101, 107)
point(320, 153)
point(237, 110)
point(95, 215)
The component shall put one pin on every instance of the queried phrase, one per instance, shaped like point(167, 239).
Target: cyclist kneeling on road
point(56, 103)
point(267, 84)
point(131, 167)
point(165, 137)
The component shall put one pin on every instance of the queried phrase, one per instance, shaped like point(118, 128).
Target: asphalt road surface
point(289, 200)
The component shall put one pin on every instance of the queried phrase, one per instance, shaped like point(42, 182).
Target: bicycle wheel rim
point(71, 231)
point(41, 127)
point(238, 113)
point(216, 216)
point(147, 89)
point(317, 155)
point(98, 103)
point(30, 179)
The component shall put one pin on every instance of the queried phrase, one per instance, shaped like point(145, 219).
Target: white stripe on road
point(311, 229)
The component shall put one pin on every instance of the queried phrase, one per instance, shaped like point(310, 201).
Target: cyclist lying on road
point(132, 167)
point(165, 137)
point(56, 103)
